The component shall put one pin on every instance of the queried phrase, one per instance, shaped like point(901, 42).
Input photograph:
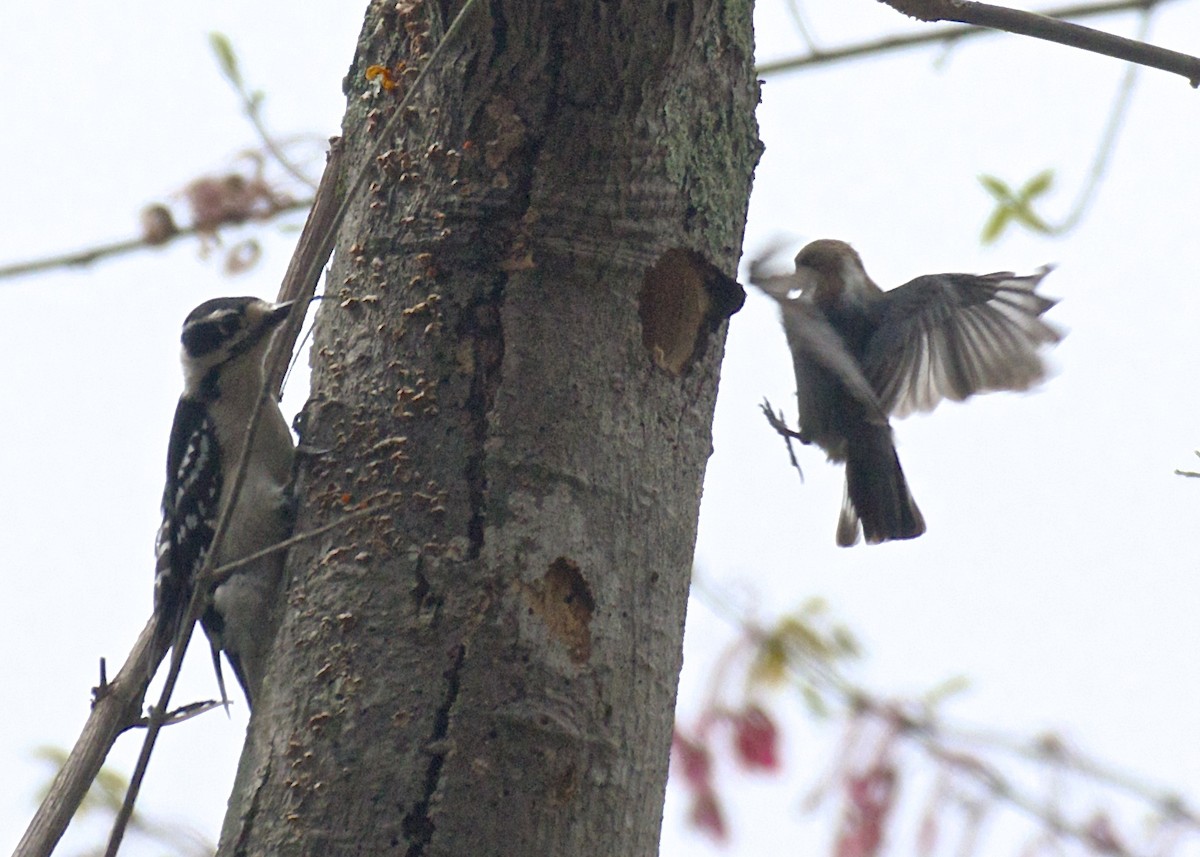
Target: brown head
point(831, 271)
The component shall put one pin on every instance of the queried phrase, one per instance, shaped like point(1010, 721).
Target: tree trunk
point(519, 348)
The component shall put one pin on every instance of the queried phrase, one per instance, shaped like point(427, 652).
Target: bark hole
point(684, 299)
point(563, 600)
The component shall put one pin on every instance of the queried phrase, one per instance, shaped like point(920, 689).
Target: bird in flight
point(863, 355)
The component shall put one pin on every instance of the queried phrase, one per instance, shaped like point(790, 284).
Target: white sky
point(1058, 572)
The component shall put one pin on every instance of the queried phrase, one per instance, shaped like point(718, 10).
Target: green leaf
point(844, 642)
point(996, 188)
point(107, 791)
point(952, 686)
point(813, 701)
point(226, 58)
point(1037, 185)
point(996, 224)
point(807, 641)
point(770, 665)
point(814, 606)
point(1028, 218)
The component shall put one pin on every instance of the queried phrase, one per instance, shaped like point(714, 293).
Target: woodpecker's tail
point(876, 491)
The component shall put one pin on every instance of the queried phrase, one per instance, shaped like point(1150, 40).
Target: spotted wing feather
point(190, 506)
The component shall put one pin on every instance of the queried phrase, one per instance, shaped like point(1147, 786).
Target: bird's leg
point(778, 423)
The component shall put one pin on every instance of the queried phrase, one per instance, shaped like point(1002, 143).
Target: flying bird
point(863, 355)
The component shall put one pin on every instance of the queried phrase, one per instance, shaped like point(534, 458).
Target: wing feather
point(950, 336)
point(813, 341)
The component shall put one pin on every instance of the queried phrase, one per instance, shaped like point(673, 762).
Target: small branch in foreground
point(1050, 29)
point(221, 573)
point(1122, 101)
point(803, 653)
point(943, 35)
point(116, 707)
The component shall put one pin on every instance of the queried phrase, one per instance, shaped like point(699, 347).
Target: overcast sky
point(1059, 569)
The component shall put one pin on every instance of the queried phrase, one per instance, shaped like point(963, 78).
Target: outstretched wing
point(949, 336)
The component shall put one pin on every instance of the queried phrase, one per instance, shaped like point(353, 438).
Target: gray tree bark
point(519, 346)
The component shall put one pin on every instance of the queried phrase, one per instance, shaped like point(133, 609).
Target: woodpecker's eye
point(203, 337)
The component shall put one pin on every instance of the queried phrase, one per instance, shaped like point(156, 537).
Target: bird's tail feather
point(877, 495)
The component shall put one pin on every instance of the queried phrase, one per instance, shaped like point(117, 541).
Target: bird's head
point(224, 331)
point(831, 271)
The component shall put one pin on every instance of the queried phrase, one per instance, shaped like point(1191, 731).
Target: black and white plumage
point(224, 346)
point(863, 355)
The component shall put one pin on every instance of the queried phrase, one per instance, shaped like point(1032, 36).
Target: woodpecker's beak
point(278, 313)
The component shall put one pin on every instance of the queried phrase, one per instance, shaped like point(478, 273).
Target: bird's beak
point(804, 280)
point(278, 313)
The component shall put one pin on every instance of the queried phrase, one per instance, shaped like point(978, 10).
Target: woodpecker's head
point(225, 333)
point(830, 271)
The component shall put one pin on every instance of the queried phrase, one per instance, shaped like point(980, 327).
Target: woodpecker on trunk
point(863, 355)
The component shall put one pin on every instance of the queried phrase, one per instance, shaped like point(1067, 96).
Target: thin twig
point(1108, 140)
point(157, 719)
point(79, 258)
point(252, 108)
point(221, 573)
point(1052, 29)
point(793, 9)
point(942, 35)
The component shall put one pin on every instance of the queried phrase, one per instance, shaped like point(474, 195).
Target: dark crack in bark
point(417, 825)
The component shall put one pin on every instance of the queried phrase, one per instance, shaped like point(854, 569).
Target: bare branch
point(79, 258)
point(945, 35)
point(116, 707)
point(1190, 473)
point(1052, 30)
point(1108, 140)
